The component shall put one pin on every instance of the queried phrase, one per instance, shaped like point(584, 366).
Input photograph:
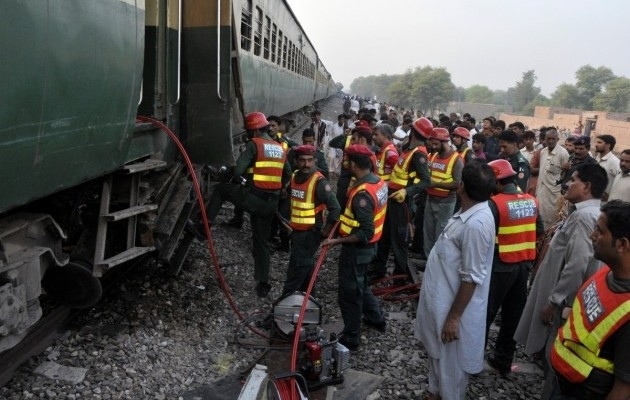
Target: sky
point(485, 42)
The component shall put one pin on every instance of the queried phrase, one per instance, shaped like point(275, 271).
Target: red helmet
point(440, 134)
point(501, 168)
point(255, 120)
point(463, 132)
point(423, 126)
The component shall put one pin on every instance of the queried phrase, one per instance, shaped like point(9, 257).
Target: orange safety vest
point(345, 162)
point(303, 208)
point(378, 192)
point(383, 158)
point(516, 238)
point(267, 169)
point(441, 171)
point(596, 314)
point(401, 176)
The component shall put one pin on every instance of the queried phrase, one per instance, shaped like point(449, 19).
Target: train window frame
point(280, 37)
point(258, 31)
point(267, 38)
point(284, 52)
point(291, 63)
point(246, 26)
point(274, 38)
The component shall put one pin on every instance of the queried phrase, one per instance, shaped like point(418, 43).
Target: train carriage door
point(152, 101)
point(207, 88)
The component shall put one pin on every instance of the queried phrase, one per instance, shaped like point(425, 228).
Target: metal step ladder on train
point(130, 214)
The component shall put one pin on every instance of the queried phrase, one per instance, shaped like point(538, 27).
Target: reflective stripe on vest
point(378, 192)
point(596, 314)
point(267, 169)
point(516, 238)
point(401, 177)
point(345, 163)
point(462, 154)
point(441, 171)
point(303, 208)
point(382, 160)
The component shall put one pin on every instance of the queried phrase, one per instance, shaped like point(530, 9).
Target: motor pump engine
point(322, 360)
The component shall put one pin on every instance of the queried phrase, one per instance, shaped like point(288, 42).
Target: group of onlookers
point(483, 206)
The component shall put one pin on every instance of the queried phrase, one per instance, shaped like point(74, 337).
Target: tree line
point(429, 89)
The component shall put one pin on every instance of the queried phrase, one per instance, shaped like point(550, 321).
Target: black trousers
point(508, 292)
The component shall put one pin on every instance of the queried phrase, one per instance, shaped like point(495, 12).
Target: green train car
point(85, 186)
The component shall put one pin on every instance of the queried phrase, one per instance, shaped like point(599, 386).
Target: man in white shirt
point(552, 158)
point(620, 189)
point(604, 146)
point(454, 294)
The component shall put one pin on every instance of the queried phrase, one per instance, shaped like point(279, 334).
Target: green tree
point(479, 94)
point(566, 95)
point(616, 97)
point(525, 91)
point(431, 89)
point(499, 97)
point(399, 92)
point(590, 82)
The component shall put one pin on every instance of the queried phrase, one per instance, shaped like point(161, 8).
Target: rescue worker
point(276, 134)
point(387, 154)
point(361, 128)
point(308, 138)
point(590, 353)
point(460, 138)
point(409, 177)
point(518, 224)
point(420, 129)
point(263, 163)
point(310, 195)
point(446, 173)
point(277, 229)
point(237, 220)
point(361, 227)
point(508, 142)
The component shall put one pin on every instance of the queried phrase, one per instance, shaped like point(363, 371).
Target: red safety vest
point(402, 176)
point(382, 160)
point(267, 169)
point(516, 236)
point(378, 192)
point(441, 171)
point(597, 313)
point(303, 208)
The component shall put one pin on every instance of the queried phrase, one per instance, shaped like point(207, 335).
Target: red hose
point(307, 295)
point(215, 260)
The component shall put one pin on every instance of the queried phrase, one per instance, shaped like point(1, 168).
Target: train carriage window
point(246, 26)
point(291, 58)
point(284, 53)
point(267, 37)
point(280, 47)
point(274, 30)
point(258, 31)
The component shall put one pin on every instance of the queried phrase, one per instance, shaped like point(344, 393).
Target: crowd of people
point(507, 221)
